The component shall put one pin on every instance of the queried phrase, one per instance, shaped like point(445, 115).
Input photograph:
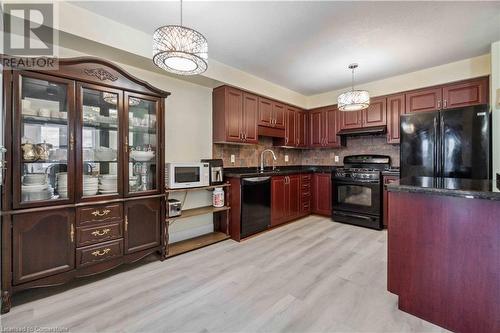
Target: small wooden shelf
point(191, 189)
point(198, 211)
point(195, 243)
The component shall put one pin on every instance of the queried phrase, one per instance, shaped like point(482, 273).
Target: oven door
point(357, 196)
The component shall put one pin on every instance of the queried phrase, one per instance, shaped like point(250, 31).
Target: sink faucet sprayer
point(262, 158)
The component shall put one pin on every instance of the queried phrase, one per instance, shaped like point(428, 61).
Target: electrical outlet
point(233, 159)
point(286, 158)
point(336, 158)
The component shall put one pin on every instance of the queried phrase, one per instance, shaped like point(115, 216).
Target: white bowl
point(105, 154)
point(142, 156)
point(89, 193)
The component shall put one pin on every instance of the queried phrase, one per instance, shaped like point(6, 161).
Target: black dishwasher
point(255, 205)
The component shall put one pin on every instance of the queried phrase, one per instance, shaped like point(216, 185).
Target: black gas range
point(357, 190)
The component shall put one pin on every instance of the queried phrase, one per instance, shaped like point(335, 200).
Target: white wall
point(455, 71)
point(495, 104)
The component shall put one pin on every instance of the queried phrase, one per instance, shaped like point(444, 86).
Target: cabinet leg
point(164, 250)
point(6, 302)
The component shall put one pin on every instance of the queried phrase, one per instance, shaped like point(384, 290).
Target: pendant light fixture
point(353, 100)
point(180, 50)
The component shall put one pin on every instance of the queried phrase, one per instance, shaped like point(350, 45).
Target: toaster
point(174, 207)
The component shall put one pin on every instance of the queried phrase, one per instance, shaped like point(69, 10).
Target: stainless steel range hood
point(363, 131)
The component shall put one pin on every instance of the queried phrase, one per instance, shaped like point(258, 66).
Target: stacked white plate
point(108, 184)
point(36, 187)
point(62, 184)
point(90, 185)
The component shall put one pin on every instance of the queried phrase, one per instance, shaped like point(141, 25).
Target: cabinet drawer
point(99, 214)
point(306, 193)
point(305, 177)
point(306, 206)
point(96, 234)
point(101, 252)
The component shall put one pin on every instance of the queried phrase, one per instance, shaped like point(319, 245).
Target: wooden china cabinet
point(83, 191)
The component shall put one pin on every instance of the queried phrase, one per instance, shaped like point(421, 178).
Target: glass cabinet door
point(43, 132)
point(99, 170)
point(142, 144)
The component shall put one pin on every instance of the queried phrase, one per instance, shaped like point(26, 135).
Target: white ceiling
point(307, 45)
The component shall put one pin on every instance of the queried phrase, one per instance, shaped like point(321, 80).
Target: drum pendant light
point(180, 50)
point(353, 100)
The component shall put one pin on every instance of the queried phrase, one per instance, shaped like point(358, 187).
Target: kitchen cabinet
point(305, 194)
point(447, 96)
point(291, 126)
point(302, 129)
point(322, 194)
point(387, 180)
point(376, 113)
point(142, 224)
point(423, 100)
point(395, 108)
point(271, 113)
point(285, 199)
point(472, 92)
point(235, 115)
point(323, 127)
point(90, 137)
point(351, 119)
point(43, 244)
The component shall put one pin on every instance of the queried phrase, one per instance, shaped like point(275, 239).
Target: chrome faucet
point(262, 158)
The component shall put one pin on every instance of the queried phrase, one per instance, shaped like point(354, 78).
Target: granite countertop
point(245, 172)
point(456, 187)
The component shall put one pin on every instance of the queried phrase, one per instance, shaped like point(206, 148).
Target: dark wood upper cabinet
point(266, 117)
point(142, 224)
point(351, 119)
point(279, 114)
point(472, 92)
point(235, 115)
point(316, 127)
point(43, 244)
point(376, 113)
point(424, 100)
point(332, 124)
point(322, 194)
point(395, 108)
point(302, 129)
point(291, 126)
point(250, 117)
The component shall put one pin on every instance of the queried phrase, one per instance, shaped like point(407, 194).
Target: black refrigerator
point(453, 143)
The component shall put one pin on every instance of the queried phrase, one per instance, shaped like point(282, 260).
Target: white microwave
point(186, 175)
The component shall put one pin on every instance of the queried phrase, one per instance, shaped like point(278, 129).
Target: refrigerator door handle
point(441, 145)
point(436, 147)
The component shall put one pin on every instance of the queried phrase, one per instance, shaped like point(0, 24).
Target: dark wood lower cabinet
point(43, 244)
point(142, 224)
point(285, 199)
point(385, 204)
point(322, 194)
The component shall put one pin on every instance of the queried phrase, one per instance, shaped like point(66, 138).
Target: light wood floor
point(313, 275)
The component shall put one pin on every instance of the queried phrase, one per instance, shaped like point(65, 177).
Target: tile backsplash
point(249, 155)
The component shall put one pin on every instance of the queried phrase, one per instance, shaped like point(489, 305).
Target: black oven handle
point(363, 217)
point(355, 182)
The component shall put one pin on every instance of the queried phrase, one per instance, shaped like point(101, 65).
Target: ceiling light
point(180, 50)
point(353, 100)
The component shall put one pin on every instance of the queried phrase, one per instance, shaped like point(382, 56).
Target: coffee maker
point(215, 171)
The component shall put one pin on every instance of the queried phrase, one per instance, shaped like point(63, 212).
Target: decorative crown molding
point(100, 73)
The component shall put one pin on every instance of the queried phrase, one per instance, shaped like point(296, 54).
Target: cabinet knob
point(445, 103)
point(99, 253)
point(439, 104)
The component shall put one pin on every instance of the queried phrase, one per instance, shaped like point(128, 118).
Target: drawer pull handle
point(101, 232)
point(101, 253)
point(103, 213)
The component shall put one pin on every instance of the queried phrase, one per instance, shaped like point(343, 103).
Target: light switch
point(336, 158)
point(233, 159)
point(286, 158)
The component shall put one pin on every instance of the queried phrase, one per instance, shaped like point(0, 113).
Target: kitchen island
point(444, 251)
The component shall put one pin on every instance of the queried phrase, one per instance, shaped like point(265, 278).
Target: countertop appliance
point(215, 171)
point(186, 175)
point(357, 190)
point(174, 207)
point(255, 205)
point(453, 143)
